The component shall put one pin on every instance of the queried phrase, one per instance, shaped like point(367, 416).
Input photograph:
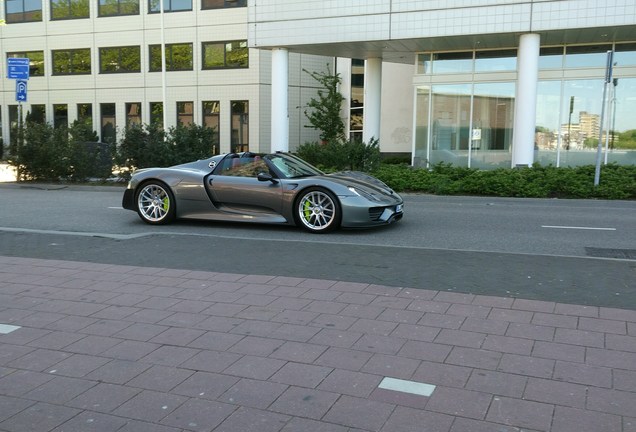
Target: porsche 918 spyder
point(277, 188)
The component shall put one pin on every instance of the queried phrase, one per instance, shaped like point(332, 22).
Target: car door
point(234, 187)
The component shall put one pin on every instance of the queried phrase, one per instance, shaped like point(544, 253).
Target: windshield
point(291, 166)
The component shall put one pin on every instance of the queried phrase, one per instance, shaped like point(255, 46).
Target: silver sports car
point(277, 188)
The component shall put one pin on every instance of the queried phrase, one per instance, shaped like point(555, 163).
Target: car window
point(292, 167)
point(243, 167)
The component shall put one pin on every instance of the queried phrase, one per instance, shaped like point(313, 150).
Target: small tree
point(324, 112)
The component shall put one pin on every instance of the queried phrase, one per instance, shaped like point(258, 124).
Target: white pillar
point(280, 90)
point(526, 100)
point(372, 99)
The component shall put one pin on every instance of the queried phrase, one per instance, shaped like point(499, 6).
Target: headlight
point(363, 193)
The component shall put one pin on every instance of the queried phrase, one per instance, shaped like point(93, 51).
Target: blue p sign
point(20, 91)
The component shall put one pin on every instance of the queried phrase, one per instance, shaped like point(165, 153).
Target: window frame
point(169, 57)
point(120, 48)
point(71, 53)
point(227, 4)
point(69, 7)
point(119, 3)
point(25, 54)
point(23, 13)
point(182, 113)
point(204, 47)
point(167, 10)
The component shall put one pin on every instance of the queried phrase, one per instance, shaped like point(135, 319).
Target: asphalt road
point(572, 251)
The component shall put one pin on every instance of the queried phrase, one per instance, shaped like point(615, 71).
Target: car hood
point(363, 180)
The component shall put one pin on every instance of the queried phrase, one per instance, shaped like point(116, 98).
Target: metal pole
point(599, 149)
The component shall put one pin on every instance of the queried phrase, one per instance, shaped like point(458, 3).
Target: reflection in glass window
point(551, 58)
point(239, 137)
point(497, 60)
point(625, 54)
point(178, 57)
point(420, 156)
point(586, 56)
point(450, 121)
point(356, 110)
point(156, 114)
point(108, 122)
point(170, 5)
point(85, 114)
point(220, 4)
point(71, 62)
point(547, 132)
point(37, 114)
point(453, 62)
point(36, 61)
point(60, 115)
point(225, 55)
point(211, 119)
point(133, 114)
point(119, 59)
point(17, 11)
point(424, 63)
point(185, 113)
point(117, 7)
point(493, 119)
point(69, 9)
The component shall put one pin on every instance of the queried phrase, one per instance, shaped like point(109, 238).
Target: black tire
point(155, 203)
point(317, 210)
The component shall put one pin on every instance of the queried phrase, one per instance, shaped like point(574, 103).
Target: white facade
point(454, 113)
point(252, 84)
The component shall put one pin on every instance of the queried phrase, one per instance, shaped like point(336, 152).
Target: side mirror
point(264, 176)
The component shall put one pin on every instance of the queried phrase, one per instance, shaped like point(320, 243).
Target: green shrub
point(336, 156)
point(617, 182)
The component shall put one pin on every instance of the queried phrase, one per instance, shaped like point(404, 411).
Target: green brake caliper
point(166, 204)
point(307, 210)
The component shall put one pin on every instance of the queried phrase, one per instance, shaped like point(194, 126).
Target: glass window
point(36, 61)
point(551, 58)
point(185, 113)
point(117, 7)
point(17, 11)
point(178, 57)
point(220, 4)
point(423, 63)
point(133, 114)
point(211, 119)
point(225, 55)
point(37, 114)
point(71, 62)
point(497, 60)
point(239, 137)
point(492, 123)
point(356, 110)
point(625, 54)
point(450, 121)
point(169, 5)
point(69, 9)
point(453, 62)
point(156, 114)
point(120, 59)
point(108, 122)
point(586, 56)
point(60, 115)
point(85, 113)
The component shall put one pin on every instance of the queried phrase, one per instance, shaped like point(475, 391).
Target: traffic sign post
point(20, 91)
point(18, 68)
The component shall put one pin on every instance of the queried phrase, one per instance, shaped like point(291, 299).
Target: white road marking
point(413, 387)
point(580, 228)
point(6, 328)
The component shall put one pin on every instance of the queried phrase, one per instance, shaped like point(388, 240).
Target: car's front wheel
point(318, 211)
point(155, 203)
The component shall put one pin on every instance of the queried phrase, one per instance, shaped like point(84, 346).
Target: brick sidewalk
point(91, 347)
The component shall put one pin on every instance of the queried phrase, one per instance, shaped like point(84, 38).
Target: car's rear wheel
point(318, 210)
point(155, 203)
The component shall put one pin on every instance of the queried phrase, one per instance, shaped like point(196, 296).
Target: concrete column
point(526, 100)
point(372, 99)
point(280, 91)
